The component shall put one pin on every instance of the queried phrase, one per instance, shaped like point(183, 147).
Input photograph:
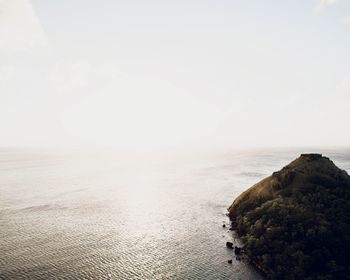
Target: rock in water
point(295, 224)
point(238, 251)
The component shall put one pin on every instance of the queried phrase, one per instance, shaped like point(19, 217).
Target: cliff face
point(295, 223)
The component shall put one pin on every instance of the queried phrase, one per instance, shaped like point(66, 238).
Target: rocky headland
point(295, 224)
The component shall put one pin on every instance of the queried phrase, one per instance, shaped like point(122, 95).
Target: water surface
point(69, 215)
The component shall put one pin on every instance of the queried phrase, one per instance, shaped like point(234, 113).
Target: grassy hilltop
point(295, 224)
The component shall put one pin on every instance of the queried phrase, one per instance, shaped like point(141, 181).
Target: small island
point(295, 224)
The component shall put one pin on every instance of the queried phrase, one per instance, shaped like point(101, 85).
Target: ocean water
point(75, 215)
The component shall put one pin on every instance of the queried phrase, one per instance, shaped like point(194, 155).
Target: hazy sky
point(146, 74)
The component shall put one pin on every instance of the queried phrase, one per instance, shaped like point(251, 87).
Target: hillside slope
point(295, 224)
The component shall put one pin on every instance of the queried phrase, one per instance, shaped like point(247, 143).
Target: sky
point(164, 74)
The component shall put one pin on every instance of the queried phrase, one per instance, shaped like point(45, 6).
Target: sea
point(73, 214)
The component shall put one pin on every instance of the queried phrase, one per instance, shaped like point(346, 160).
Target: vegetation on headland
point(295, 224)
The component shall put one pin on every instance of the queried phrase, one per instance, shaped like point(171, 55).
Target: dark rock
point(229, 245)
point(229, 261)
point(223, 225)
point(238, 251)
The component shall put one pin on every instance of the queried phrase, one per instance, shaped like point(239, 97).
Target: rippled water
point(107, 216)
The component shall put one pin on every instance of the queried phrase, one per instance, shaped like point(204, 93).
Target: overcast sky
point(148, 74)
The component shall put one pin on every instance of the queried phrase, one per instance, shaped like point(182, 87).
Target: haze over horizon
point(157, 74)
